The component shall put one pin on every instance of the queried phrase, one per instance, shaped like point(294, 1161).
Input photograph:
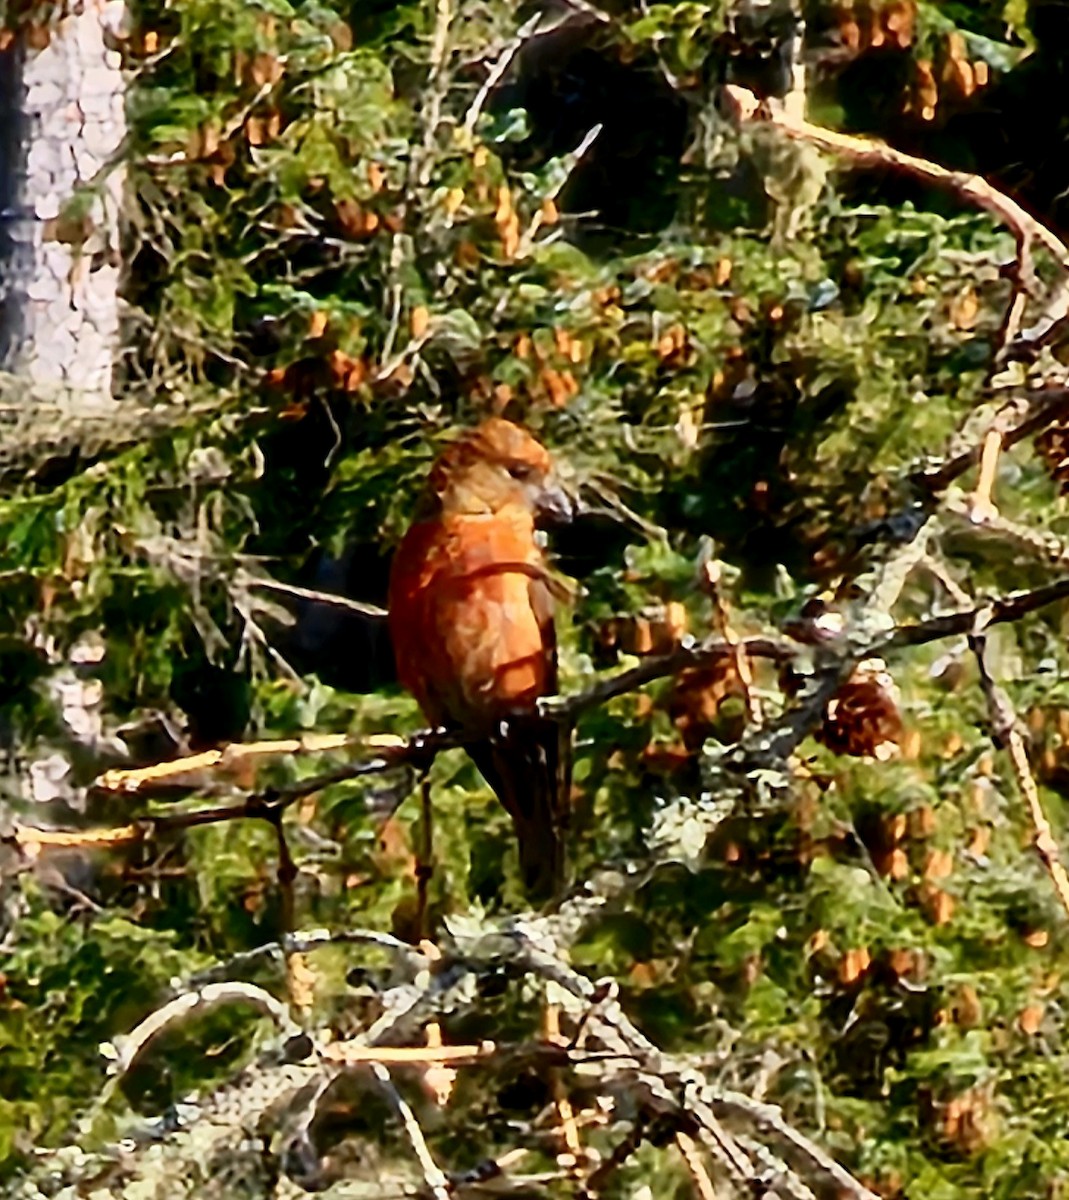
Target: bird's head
point(498, 465)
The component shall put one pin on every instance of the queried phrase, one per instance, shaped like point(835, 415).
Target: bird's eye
point(522, 472)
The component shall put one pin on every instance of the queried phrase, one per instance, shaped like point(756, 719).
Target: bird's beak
point(554, 504)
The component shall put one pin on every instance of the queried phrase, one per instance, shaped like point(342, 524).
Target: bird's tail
point(528, 763)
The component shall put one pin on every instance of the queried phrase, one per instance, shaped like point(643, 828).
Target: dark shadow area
point(577, 78)
point(346, 649)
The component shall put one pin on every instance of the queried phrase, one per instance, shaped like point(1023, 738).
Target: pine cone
point(863, 719)
point(698, 699)
point(656, 630)
point(1053, 446)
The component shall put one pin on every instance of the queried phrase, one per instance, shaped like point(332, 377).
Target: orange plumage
point(471, 618)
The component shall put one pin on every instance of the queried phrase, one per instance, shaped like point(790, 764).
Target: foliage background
point(340, 251)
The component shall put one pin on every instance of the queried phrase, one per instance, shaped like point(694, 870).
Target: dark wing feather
point(528, 763)
point(560, 746)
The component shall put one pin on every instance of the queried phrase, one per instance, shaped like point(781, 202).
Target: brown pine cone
point(1053, 446)
point(699, 703)
point(863, 719)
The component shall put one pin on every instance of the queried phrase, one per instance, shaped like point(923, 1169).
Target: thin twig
point(572, 1157)
point(497, 71)
point(999, 611)
point(301, 593)
point(435, 89)
point(724, 1147)
point(304, 942)
point(433, 1175)
point(31, 840)
point(418, 175)
point(527, 241)
point(424, 858)
point(622, 1151)
point(769, 1118)
point(286, 873)
point(992, 525)
point(722, 618)
point(780, 1177)
point(688, 1148)
point(660, 666)
point(262, 805)
point(1006, 341)
point(1007, 730)
point(439, 1080)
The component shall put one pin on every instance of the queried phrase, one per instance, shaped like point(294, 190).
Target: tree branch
point(745, 107)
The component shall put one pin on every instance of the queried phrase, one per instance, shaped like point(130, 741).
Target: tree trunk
point(63, 92)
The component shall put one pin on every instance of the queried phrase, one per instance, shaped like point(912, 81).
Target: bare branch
point(126, 1049)
point(660, 666)
point(351, 1054)
point(998, 611)
point(302, 943)
point(1008, 731)
point(868, 152)
point(432, 1173)
point(136, 779)
point(1042, 406)
point(836, 661)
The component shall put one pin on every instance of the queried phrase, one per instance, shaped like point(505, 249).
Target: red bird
point(471, 619)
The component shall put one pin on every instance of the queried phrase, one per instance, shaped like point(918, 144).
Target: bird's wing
point(557, 733)
point(540, 593)
point(527, 762)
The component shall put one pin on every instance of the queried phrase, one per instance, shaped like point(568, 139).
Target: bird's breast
point(468, 641)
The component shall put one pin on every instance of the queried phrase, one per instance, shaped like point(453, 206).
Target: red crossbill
point(471, 617)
